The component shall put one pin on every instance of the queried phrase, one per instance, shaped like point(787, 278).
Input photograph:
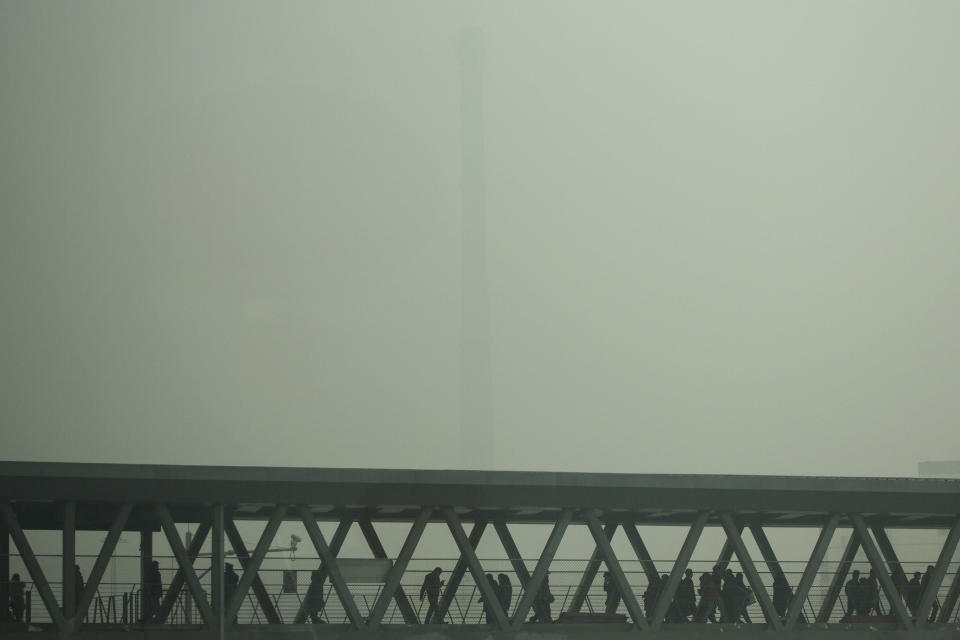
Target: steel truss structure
point(146, 499)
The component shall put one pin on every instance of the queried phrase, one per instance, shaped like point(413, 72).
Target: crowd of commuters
point(863, 593)
point(723, 595)
point(502, 588)
point(722, 592)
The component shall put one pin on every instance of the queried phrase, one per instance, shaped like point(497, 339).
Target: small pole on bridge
point(216, 579)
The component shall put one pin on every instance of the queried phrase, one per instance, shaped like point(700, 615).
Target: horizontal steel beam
point(176, 484)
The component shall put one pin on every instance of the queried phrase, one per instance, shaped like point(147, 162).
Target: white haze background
point(722, 236)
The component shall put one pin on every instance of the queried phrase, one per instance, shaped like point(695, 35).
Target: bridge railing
point(121, 602)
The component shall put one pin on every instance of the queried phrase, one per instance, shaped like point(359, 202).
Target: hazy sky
point(721, 235)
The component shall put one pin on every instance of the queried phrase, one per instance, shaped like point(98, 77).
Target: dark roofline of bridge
point(460, 477)
point(505, 489)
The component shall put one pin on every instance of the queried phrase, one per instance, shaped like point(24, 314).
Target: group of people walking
point(863, 593)
point(17, 604)
point(724, 592)
point(503, 590)
point(720, 591)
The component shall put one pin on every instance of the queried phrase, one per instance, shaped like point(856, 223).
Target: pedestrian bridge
point(848, 521)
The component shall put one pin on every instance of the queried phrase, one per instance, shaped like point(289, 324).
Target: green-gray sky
point(722, 235)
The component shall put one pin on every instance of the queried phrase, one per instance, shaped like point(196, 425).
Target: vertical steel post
point(217, 569)
point(4, 571)
point(188, 538)
point(146, 560)
point(69, 559)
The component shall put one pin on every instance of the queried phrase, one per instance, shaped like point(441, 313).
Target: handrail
point(106, 606)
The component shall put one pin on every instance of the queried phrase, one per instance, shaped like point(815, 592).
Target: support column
point(4, 571)
point(146, 560)
point(188, 538)
point(836, 585)
point(217, 569)
point(69, 536)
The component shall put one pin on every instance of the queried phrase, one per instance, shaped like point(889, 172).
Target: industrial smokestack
point(476, 414)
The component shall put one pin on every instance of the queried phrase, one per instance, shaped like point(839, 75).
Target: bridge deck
point(149, 499)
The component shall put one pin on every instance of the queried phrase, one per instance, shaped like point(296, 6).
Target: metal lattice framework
point(118, 498)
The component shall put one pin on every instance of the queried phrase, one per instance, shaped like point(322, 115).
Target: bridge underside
point(116, 498)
